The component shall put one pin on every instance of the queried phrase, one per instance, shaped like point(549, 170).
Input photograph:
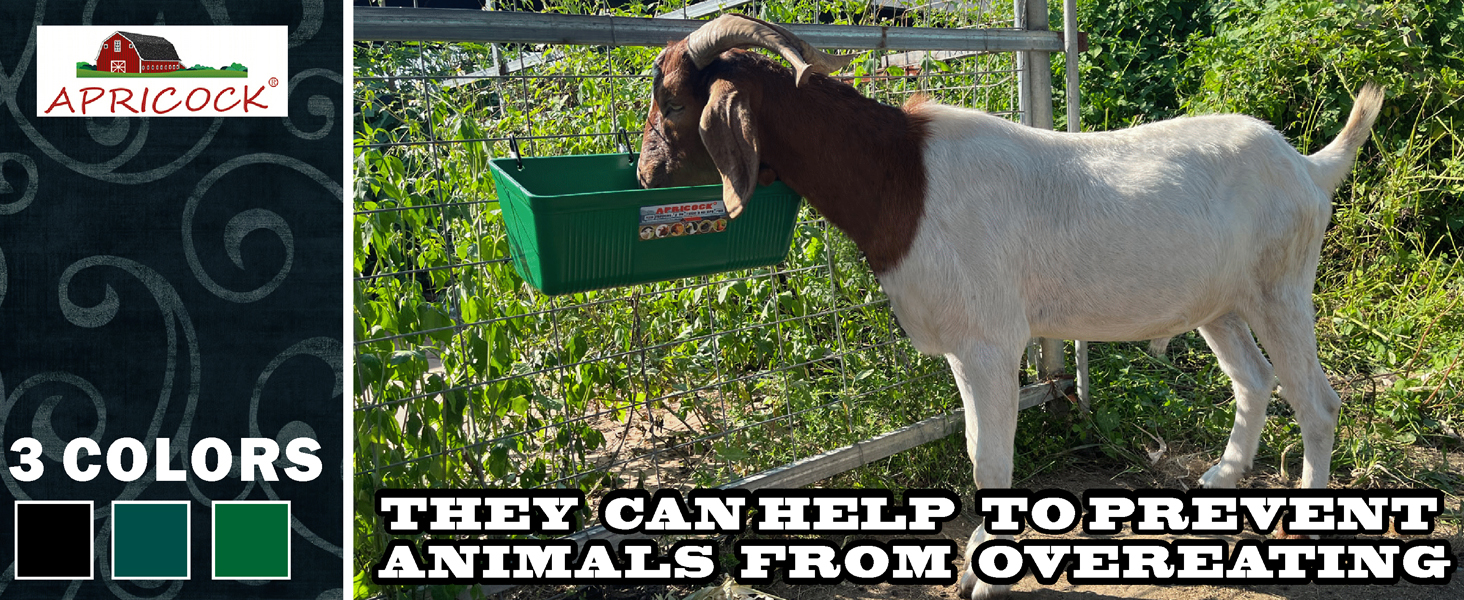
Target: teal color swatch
point(251, 540)
point(150, 540)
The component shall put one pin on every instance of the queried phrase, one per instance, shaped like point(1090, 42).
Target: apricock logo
point(162, 71)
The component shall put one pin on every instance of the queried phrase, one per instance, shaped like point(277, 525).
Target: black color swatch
point(53, 541)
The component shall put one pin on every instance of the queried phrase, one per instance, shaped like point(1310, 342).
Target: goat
point(984, 233)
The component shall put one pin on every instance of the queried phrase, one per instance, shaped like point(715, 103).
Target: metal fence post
point(1034, 68)
point(1074, 125)
point(1034, 82)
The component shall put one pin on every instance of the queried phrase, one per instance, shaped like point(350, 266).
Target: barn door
point(119, 66)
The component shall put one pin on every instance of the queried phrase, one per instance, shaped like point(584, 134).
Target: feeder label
point(679, 220)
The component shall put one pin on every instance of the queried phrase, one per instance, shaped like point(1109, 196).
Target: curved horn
point(733, 30)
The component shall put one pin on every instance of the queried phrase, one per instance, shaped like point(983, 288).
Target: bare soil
point(647, 447)
point(1168, 472)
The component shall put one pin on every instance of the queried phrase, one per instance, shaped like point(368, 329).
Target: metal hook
point(513, 150)
point(622, 140)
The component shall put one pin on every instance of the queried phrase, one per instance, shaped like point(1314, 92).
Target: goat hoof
point(985, 590)
point(1281, 534)
point(1221, 476)
point(975, 589)
point(966, 585)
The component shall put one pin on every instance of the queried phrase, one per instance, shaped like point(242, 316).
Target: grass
point(212, 73)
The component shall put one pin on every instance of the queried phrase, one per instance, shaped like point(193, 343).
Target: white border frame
point(214, 540)
point(187, 539)
point(91, 563)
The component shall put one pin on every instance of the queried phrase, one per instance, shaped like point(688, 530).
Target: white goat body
point(984, 233)
point(1210, 222)
point(1127, 235)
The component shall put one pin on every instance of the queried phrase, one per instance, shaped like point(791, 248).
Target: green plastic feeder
point(579, 223)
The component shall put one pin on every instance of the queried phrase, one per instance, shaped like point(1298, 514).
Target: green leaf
point(519, 405)
point(432, 318)
point(408, 365)
point(731, 452)
point(498, 462)
point(368, 369)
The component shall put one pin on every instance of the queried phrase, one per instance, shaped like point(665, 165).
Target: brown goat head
point(700, 128)
point(672, 153)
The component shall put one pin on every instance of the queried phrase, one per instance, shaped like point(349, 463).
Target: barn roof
point(151, 47)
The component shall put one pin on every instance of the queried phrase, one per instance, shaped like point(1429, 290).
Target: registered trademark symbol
point(274, 81)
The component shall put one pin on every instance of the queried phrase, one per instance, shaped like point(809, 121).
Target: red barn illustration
point(124, 52)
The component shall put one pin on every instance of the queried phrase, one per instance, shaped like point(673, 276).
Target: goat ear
point(727, 131)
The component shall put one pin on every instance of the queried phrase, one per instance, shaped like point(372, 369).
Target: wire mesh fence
point(468, 377)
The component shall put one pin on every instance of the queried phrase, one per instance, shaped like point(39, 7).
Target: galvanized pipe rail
point(448, 25)
point(701, 9)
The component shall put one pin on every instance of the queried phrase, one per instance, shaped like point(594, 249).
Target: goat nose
point(649, 175)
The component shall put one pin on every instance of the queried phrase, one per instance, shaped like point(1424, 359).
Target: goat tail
point(1331, 164)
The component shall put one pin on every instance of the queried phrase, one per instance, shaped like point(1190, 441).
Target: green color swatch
point(251, 540)
point(150, 540)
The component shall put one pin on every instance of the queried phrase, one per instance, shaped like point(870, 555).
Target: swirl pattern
point(174, 279)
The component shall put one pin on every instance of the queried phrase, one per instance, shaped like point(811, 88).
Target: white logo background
point(263, 49)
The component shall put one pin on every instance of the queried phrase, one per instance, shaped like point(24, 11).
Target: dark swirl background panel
point(174, 278)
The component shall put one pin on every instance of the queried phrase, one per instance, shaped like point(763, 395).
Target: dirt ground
point(1030, 589)
point(1174, 473)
